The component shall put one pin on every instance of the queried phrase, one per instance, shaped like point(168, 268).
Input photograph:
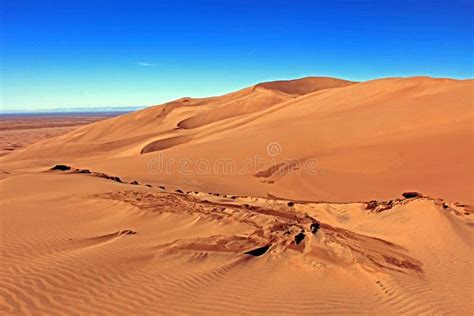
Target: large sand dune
point(366, 140)
point(281, 198)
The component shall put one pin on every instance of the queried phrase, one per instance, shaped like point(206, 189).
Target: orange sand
point(177, 241)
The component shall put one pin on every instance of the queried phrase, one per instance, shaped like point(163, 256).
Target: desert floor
point(18, 131)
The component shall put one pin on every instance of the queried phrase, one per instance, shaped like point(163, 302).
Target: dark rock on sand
point(116, 179)
point(372, 205)
point(410, 195)
point(61, 168)
point(314, 227)
point(106, 176)
point(299, 238)
point(379, 206)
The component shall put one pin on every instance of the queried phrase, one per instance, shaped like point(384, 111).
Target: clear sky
point(114, 53)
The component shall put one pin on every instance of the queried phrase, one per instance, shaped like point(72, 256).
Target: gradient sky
point(116, 53)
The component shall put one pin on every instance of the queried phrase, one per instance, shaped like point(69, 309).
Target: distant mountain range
point(76, 110)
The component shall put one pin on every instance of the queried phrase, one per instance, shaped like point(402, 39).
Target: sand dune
point(91, 244)
point(369, 140)
point(281, 198)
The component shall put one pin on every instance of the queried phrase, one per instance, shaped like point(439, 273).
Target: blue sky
point(116, 53)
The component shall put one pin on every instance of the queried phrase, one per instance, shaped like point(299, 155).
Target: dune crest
point(304, 86)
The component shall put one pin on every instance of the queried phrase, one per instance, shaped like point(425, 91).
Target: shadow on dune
point(164, 144)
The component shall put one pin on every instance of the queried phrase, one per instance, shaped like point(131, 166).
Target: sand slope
point(365, 140)
point(93, 245)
